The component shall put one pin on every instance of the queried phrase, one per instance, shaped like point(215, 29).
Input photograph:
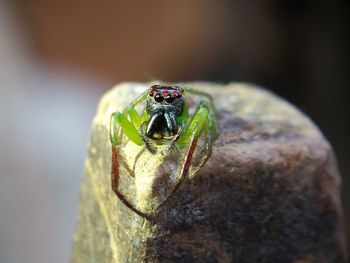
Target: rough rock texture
point(269, 193)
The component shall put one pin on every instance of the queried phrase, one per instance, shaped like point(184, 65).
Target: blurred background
point(58, 57)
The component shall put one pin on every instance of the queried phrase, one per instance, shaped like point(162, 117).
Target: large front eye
point(170, 99)
point(158, 98)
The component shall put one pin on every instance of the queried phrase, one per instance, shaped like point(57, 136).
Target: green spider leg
point(128, 122)
point(202, 120)
point(210, 108)
point(210, 128)
point(211, 131)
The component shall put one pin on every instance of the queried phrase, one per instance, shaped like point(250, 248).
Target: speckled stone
point(269, 193)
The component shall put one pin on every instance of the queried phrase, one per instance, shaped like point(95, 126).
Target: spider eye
point(170, 99)
point(158, 98)
point(151, 93)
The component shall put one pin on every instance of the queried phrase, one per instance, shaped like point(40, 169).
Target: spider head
point(166, 94)
point(165, 99)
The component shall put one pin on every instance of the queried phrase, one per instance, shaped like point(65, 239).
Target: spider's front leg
point(125, 123)
point(202, 120)
point(128, 122)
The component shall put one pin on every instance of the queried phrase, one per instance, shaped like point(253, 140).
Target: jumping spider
point(166, 119)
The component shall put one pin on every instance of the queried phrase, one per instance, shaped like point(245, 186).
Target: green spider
point(166, 120)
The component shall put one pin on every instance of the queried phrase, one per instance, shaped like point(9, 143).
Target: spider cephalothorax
point(164, 105)
point(165, 120)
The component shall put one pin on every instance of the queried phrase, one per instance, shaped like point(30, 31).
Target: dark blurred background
point(58, 57)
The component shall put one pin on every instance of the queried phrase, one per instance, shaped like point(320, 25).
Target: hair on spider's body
point(164, 121)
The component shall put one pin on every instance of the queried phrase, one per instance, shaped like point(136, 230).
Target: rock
point(269, 193)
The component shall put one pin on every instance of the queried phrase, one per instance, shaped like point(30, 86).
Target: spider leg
point(196, 125)
point(119, 125)
point(126, 166)
point(127, 122)
point(148, 144)
point(141, 98)
point(199, 93)
point(210, 107)
point(115, 182)
point(137, 158)
point(190, 136)
point(175, 138)
point(211, 134)
point(184, 169)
